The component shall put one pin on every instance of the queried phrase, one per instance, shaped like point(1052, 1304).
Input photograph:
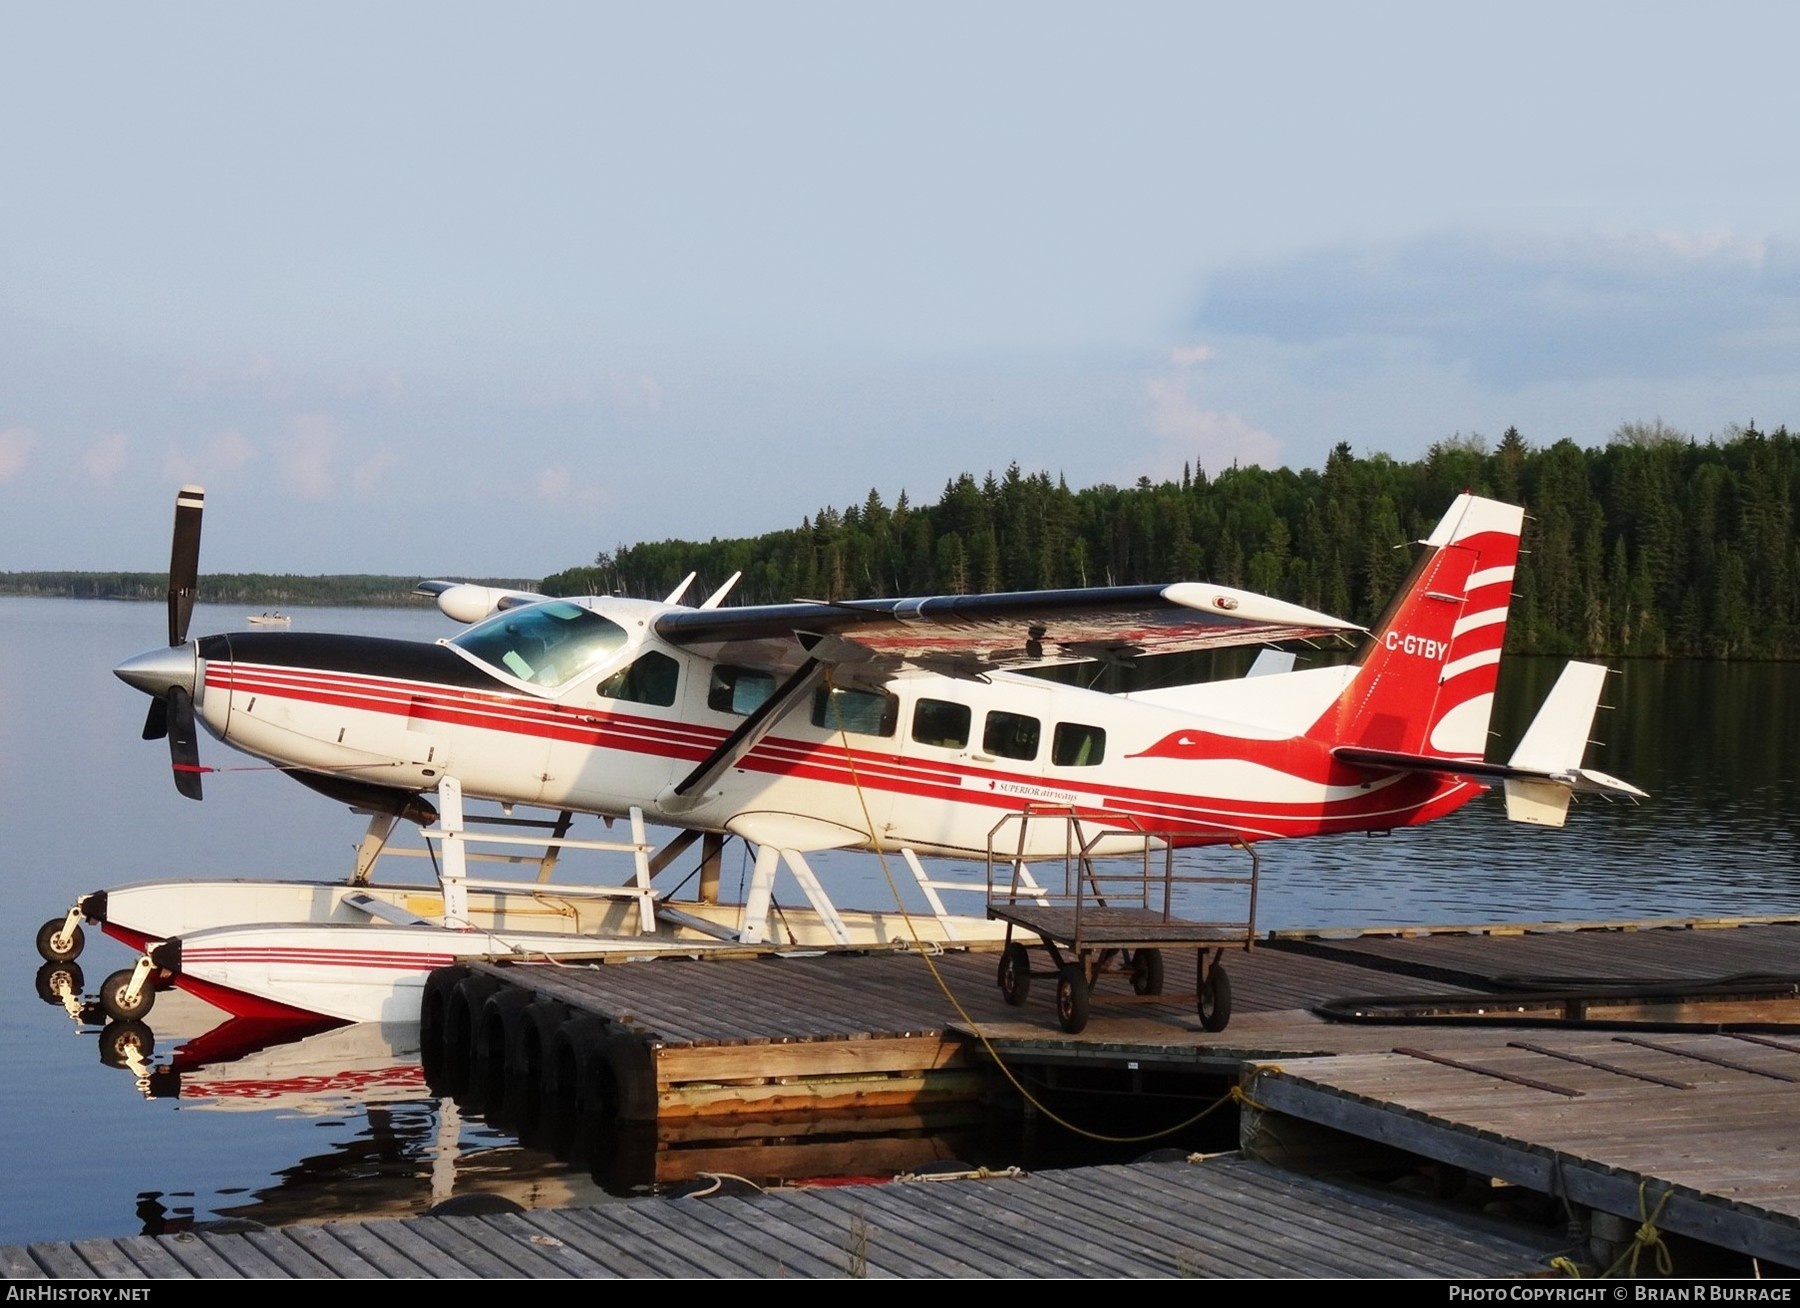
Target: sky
point(448, 289)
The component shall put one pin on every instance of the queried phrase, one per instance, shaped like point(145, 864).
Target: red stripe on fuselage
point(1172, 813)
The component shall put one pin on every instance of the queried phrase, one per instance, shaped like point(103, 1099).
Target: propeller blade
point(184, 562)
point(156, 722)
point(184, 745)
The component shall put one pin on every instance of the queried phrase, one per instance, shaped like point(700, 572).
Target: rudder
point(1425, 684)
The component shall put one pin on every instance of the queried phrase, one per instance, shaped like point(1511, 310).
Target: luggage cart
point(1113, 913)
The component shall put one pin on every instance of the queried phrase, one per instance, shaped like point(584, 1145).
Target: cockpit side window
point(545, 644)
point(650, 679)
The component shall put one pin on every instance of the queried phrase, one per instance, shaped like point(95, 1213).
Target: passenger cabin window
point(545, 644)
point(649, 679)
point(739, 690)
point(1076, 746)
point(860, 712)
point(941, 723)
point(1010, 735)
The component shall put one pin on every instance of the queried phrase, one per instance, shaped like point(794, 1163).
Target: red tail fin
point(1426, 681)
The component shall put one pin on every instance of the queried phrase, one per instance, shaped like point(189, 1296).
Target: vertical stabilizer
point(1426, 681)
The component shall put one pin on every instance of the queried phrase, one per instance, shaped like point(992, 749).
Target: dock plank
point(362, 1247)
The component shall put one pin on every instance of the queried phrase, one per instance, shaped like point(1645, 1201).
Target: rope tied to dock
point(1646, 1238)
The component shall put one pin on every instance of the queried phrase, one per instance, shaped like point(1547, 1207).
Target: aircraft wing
point(973, 633)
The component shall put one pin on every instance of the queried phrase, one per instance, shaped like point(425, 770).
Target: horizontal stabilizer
point(1545, 770)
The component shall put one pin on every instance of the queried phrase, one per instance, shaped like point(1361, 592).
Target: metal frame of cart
point(1104, 919)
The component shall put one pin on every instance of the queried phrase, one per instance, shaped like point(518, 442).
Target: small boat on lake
point(275, 618)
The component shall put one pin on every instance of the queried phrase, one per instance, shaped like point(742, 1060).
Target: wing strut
point(740, 742)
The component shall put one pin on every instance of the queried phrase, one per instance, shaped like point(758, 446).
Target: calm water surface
point(344, 1124)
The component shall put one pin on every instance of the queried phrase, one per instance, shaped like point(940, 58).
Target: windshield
point(545, 644)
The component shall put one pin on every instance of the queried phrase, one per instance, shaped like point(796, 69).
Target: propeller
point(184, 744)
point(184, 581)
point(169, 678)
point(184, 562)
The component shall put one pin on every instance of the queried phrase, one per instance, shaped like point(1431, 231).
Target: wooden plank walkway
point(1691, 1131)
point(1488, 957)
point(1594, 1117)
point(1217, 1218)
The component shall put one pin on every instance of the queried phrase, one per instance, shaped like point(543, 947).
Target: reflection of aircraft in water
point(413, 1150)
point(251, 1063)
point(421, 1148)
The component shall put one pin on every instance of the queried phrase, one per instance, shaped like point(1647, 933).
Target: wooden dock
point(1614, 1077)
point(1220, 1218)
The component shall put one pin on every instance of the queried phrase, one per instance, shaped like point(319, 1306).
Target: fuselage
point(930, 762)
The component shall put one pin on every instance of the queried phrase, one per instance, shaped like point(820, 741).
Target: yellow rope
point(1645, 1238)
point(924, 950)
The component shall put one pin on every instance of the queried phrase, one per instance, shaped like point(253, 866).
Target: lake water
point(347, 1126)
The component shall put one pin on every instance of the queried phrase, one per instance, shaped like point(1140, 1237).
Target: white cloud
point(108, 458)
point(1521, 310)
point(307, 455)
point(229, 451)
point(557, 485)
point(16, 444)
point(1189, 433)
point(370, 477)
point(553, 484)
point(223, 455)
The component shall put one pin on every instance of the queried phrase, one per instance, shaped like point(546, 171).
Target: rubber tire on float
point(114, 1003)
point(1147, 971)
point(1215, 998)
point(1071, 997)
point(70, 948)
point(1015, 974)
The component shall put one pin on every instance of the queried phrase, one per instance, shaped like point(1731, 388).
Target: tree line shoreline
point(1653, 545)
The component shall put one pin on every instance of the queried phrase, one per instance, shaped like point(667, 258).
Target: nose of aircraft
point(156, 672)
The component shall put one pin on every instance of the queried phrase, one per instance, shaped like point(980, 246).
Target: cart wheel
point(1215, 998)
point(54, 945)
point(1147, 971)
point(1015, 973)
point(1071, 998)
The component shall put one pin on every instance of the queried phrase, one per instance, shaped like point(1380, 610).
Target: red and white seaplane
point(912, 727)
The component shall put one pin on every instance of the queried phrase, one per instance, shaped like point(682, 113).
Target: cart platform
point(1121, 902)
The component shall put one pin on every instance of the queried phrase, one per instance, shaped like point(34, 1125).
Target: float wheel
point(115, 996)
point(56, 946)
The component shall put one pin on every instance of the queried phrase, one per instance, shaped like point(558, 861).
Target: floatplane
point(916, 728)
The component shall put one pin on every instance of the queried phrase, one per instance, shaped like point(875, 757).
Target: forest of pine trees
point(1653, 545)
